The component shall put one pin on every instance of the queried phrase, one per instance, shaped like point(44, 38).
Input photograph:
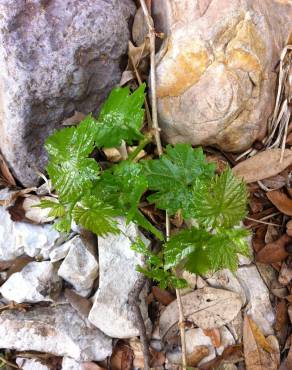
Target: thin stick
point(156, 129)
point(181, 322)
point(151, 35)
point(134, 301)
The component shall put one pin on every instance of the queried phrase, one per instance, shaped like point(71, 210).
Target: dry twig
point(134, 301)
point(156, 129)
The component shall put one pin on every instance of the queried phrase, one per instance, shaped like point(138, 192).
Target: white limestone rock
point(111, 312)
point(71, 364)
point(259, 306)
point(80, 267)
point(38, 281)
point(56, 330)
point(60, 252)
point(18, 238)
point(30, 364)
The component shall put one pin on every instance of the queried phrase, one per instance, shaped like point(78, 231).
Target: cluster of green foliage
point(181, 180)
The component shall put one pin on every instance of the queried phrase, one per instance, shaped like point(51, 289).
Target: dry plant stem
point(123, 150)
point(181, 322)
point(151, 31)
point(135, 303)
point(149, 119)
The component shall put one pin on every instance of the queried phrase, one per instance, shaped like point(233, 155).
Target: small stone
point(80, 267)
point(257, 293)
point(111, 312)
point(38, 281)
point(56, 330)
point(60, 252)
point(30, 364)
point(34, 213)
point(18, 238)
point(71, 364)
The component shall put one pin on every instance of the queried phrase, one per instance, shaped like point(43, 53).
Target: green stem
point(139, 148)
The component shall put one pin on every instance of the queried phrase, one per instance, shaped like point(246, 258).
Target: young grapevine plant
point(181, 182)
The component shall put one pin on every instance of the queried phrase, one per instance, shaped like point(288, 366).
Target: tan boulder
point(216, 68)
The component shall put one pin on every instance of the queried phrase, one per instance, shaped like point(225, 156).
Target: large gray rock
point(111, 311)
point(56, 56)
point(57, 330)
point(216, 69)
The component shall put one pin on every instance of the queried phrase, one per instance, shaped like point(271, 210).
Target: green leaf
point(199, 251)
point(143, 222)
point(183, 244)
point(154, 268)
point(224, 247)
point(173, 175)
point(96, 216)
point(221, 201)
point(56, 209)
point(72, 142)
point(121, 117)
point(63, 224)
point(122, 187)
point(164, 278)
point(71, 172)
point(73, 177)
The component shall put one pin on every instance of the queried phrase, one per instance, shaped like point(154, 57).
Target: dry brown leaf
point(197, 355)
point(73, 120)
point(5, 172)
point(4, 265)
point(11, 196)
point(274, 252)
point(287, 363)
point(285, 275)
point(281, 201)
point(139, 29)
point(275, 182)
point(157, 358)
point(80, 304)
point(258, 335)
point(122, 355)
point(258, 240)
point(214, 334)
point(289, 228)
point(258, 352)
point(282, 321)
point(263, 165)
point(231, 355)
point(162, 296)
point(91, 366)
point(208, 308)
point(138, 53)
